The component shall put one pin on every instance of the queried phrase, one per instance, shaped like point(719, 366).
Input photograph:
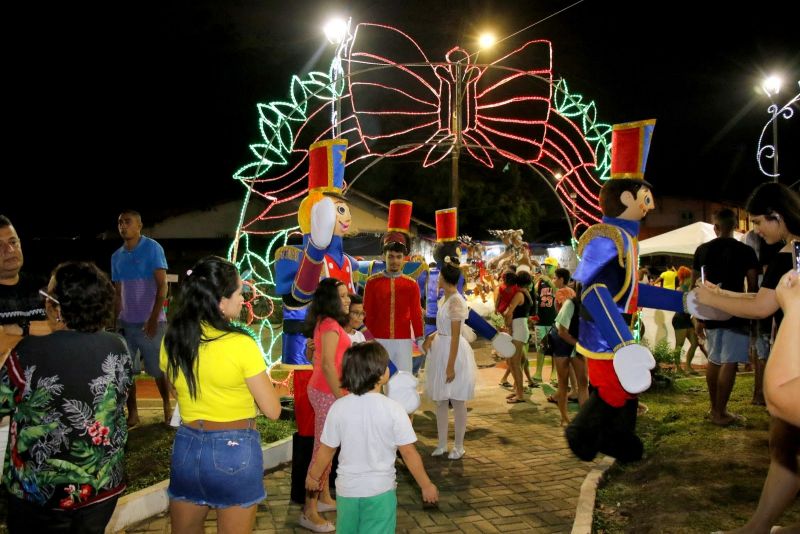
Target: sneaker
point(456, 454)
point(438, 451)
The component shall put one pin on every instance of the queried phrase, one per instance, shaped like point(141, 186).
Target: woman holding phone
point(774, 211)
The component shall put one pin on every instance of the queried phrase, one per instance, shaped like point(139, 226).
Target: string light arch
point(513, 108)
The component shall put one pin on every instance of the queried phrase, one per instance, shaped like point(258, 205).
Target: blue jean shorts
point(148, 347)
point(217, 468)
point(727, 346)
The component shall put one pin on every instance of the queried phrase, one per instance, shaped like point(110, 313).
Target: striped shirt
point(133, 270)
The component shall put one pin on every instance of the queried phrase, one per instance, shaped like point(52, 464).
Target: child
point(370, 428)
point(450, 372)
point(355, 319)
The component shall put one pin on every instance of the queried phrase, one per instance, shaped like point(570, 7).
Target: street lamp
point(772, 86)
point(335, 30)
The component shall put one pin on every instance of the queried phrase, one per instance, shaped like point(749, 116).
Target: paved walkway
point(517, 475)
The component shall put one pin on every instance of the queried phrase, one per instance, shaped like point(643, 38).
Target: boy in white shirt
point(370, 428)
point(356, 321)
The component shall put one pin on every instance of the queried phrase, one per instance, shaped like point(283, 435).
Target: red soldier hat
point(630, 146)
point(399, 223)
point(446, 225)
point(326, 161)
point(399, 216)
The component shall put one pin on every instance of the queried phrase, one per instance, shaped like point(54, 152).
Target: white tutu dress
point(453, 308)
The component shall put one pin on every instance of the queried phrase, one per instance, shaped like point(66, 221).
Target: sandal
point(515, 400)
point(305, 522)
point(551, 399)
point(505, 384)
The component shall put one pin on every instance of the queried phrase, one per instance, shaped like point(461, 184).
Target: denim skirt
point(217, 468)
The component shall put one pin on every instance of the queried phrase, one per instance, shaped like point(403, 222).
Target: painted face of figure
point(231, 306)
point(343, 217)
point(10, 254)
point(772, 229)
point(638, 206)
point(394, 261)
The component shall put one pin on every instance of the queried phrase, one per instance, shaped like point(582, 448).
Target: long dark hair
point(85, 296)
point(326, 303)
point(771, 199)
point(198, 302)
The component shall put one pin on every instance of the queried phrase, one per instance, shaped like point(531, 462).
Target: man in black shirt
point(725, 262)
point(21, 306)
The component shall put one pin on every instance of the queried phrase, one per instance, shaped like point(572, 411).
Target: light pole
point(485, 41)
point(772, 86)
point(337, 31)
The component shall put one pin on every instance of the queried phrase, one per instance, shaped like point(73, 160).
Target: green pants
point(367, 515)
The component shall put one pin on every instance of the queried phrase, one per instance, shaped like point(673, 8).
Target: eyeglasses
point(47, 296)
point(359, 314)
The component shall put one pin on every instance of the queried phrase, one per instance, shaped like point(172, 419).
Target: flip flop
point(511, 396)
point(551, 399)
point(514, 401)
point(505, 384)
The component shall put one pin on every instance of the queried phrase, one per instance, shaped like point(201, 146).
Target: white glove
point(703, 312)
point(632, 363)
point(402, 387)
point(503, 345)
point(468, 333)
point(323, 221)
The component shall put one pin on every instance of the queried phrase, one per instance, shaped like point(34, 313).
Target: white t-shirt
point(357, 337)
point(369, 428)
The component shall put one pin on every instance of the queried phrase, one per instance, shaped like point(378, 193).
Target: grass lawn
point(695, 477)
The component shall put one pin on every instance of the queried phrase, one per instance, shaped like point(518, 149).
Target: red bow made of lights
point(505, 104)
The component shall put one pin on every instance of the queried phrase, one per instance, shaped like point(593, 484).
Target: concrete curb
point(585, 509)
point(153, 500)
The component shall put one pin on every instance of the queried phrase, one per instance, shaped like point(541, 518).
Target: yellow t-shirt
point(222, 366)
point(668, 277)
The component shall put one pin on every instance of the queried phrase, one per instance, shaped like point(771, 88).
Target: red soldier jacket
point(392, 305)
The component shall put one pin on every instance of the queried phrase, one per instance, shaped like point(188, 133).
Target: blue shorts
point(217, 468)
point(149, 348)
point(762, 346)
point(727, 346)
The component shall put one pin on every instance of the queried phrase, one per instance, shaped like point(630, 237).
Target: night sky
point(151, 105)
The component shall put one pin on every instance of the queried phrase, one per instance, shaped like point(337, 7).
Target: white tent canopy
point(683, 241)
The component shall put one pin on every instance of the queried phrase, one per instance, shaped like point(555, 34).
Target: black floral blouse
point(66, 395)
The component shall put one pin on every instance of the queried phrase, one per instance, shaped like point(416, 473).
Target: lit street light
point(772, 86)
point(335, 30)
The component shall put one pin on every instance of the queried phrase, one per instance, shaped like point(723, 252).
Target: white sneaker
point(438, 451)
point(456, 454)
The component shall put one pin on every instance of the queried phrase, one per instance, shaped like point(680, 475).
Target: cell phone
point(796, 256)
point(703, 274)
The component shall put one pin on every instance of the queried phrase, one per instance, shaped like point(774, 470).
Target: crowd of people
point(71, 346)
